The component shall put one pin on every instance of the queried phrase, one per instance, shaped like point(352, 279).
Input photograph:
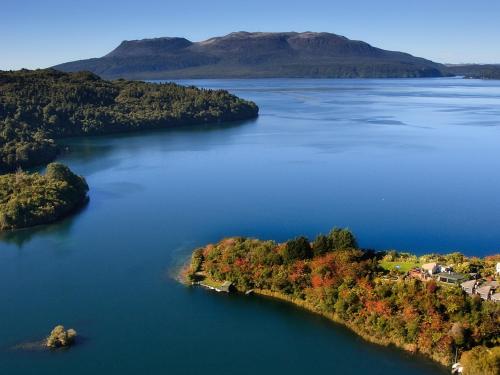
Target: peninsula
point(435, 305)
point(39, 106)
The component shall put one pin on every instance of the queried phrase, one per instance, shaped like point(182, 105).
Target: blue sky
point(43, 33)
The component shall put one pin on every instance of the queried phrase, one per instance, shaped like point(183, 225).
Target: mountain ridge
point(255, 55)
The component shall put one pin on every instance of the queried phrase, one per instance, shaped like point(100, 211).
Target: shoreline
point(421, 305)
point(299, 303)
point(79, 207)
point(332, 317)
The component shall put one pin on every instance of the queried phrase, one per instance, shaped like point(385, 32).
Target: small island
point(38, 106)
point(445, 307)
point(60, 338)
point(28, 199)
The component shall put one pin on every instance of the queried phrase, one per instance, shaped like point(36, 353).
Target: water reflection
point(60, 229)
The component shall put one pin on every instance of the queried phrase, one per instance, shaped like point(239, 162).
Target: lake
point(407, 164)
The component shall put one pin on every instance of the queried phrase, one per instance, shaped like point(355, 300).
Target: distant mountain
point(253, 55)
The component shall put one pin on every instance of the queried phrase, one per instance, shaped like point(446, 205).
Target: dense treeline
point(335, 278)
point(20, 147)
point(284, 69)
point(479, 71)
point(36, 106)
point(28, 199)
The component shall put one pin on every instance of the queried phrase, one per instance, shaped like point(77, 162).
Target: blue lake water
point(406, 164)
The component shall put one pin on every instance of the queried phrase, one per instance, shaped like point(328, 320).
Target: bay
point(407, 164)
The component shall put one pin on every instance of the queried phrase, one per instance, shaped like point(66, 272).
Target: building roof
point(468, 284)
point(493, 284)
point(484, 289)
point(429, 266)
point(452, 276)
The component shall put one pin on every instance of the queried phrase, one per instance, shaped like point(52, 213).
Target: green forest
point(335, 278)
point(39, 106)
point(28, 199)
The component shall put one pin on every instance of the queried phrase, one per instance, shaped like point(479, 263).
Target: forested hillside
point(41, 105)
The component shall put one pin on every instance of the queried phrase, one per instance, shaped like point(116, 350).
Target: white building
point(430, 268)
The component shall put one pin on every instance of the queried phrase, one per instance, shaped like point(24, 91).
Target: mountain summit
point(253, 55)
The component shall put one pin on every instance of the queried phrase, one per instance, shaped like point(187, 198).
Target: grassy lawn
point(404, 266)
point(210, 282)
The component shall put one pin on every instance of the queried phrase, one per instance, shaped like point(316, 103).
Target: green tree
point(197, 260)
point(342, 239)
point(297, 249)
point(321, 245)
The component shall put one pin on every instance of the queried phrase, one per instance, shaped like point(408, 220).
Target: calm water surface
point(406, 164)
